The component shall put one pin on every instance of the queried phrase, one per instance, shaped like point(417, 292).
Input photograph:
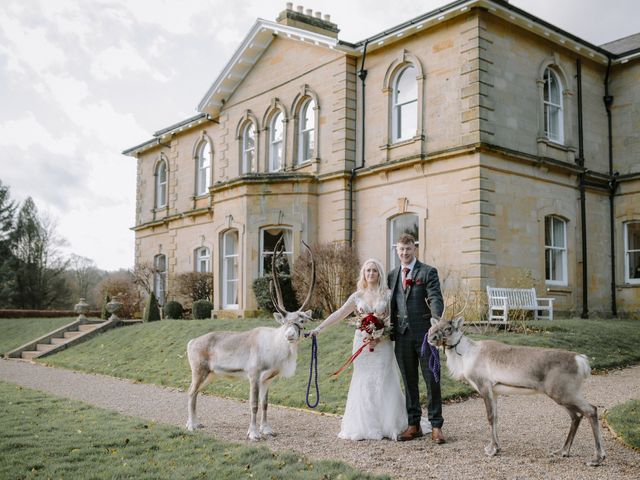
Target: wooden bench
point(501, 300)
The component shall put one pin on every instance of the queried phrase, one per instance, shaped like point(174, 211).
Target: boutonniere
point(409, 282)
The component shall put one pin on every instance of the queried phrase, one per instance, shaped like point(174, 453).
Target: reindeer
point(494, 368)
point(259, 354)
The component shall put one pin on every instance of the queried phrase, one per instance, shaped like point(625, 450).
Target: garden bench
point(501, 300)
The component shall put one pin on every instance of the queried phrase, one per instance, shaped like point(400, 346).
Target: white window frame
point(627, 255)
point(288, 245)
point(552, 108)
point(548, 258)
point(161, 184)
point(393, 259)
point(160, 278)
point(203, 169)
point(226, 258)
point(276, 164)
point(248, 165)
point(396, 108)
point(202, 256)
point(306, 135)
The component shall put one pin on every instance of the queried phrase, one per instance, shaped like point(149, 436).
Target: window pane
point(270, 237)
point(547, 264)
point(407, 86)
point(634, 265)
point(277, 128)
point(558, 233)
point(408, 120)
point(558, 265)
point(633, 236)
point(308, 119)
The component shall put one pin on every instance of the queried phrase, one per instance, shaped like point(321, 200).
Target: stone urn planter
point(113, 307)
point(81, 308)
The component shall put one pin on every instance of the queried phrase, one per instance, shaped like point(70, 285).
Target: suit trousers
point(407, 349)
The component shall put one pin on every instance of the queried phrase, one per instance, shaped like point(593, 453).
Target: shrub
point(104, 314)
point(336, 275)
point(151, 309)
point(173, 310)
point(202, 309)
point(195, 286)
point(121, 286)
point(263, 297)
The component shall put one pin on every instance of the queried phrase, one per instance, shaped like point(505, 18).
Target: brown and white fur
point(259, 355)
point(494, 368)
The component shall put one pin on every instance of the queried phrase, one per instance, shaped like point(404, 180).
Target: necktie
point(405, 272)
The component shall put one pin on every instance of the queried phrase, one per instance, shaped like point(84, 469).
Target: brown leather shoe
point(412, 432)
point(437, 436)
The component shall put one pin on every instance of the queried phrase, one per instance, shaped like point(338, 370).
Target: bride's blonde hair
point(382, 289)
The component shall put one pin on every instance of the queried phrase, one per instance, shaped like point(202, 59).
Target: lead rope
point(313, 365)
point(434, 359)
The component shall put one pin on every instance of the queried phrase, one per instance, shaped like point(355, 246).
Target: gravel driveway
point(530, 427)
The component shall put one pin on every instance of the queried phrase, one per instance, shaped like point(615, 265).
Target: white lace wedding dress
point(375, 404)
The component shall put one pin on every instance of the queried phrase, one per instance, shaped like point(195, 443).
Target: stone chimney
point(310, 21)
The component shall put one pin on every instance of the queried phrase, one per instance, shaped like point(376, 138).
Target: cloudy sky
point(81, 80)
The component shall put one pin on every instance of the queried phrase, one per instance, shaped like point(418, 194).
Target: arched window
point(406, 223)
point(202, 257)
point(306, 132)
point(555, 250)
point(405, 104)
point(248, 148)
point(268, 238)
point(276, 136)
point(552, 98)
point(632, 252)
point(230, 269)
point(160, 277)
point(203, 169)
point(161, 184)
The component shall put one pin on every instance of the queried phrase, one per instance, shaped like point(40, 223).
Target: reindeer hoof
point(254, 436)
point(194, 426)
point(561, 453)
point(596, 462)
point(267, 431)
point(491, 450)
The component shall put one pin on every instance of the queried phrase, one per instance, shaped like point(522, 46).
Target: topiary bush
point(263, 297)
point(151, 309)
point(173, 310)
point(202, 309)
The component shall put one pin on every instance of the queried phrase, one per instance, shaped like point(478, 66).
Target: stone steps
point(70, 334)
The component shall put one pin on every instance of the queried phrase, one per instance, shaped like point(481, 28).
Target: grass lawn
point(156, 353)
point(44, 436)
point(18, 331)
point(625, 421)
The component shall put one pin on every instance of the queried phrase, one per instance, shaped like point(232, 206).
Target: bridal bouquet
point(373, 326)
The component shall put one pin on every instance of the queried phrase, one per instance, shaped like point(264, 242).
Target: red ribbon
point(351, 359)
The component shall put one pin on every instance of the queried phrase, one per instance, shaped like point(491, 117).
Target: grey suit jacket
point(426, 286)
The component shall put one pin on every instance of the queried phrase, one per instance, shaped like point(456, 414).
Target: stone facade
point(478, 177)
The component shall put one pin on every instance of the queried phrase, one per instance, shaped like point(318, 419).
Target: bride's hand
point(374, 341)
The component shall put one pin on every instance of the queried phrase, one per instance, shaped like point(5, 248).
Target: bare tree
point(336, 275)
point(142, 276)
point(85, 274)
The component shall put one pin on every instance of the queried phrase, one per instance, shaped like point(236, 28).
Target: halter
point(454, 346)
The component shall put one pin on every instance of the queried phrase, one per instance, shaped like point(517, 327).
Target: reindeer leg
point(491, 404)
point(254, 391)
point(265, 428)
point(576, 417)
point(591, 412)
point(199, 376)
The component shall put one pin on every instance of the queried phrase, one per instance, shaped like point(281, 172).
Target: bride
point(375, 404)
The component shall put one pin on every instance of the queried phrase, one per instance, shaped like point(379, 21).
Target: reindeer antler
point(313, 278)
point(274, 284)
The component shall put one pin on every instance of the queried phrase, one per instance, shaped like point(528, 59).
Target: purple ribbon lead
point(434, 359)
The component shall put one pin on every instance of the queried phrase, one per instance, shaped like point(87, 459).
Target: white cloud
point(114, 62)
point(26, 132)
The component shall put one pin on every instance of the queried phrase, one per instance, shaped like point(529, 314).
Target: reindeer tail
point(583, 365)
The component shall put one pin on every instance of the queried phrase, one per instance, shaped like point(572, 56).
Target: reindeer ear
point(457, 322)
point(309, 314)
point(434, 322)
point(279, 317)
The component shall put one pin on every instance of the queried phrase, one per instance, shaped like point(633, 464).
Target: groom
point(412, 285)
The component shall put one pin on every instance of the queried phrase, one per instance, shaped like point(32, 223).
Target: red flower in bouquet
point(373, 326)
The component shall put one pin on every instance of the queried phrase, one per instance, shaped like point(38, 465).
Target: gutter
point(362, 75)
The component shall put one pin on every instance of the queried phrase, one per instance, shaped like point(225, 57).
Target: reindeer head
point(293, 321)
point(446, 333)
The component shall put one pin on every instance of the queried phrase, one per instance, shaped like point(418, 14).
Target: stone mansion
point(509, 147)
